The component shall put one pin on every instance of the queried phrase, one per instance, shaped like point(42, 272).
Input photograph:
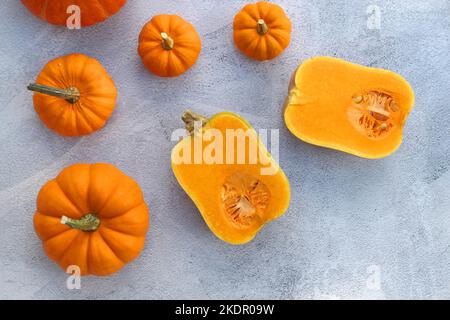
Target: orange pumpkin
point(262, 30)
point(169, 45)
point(92, 12)
point(74, 95)
point(92, 216)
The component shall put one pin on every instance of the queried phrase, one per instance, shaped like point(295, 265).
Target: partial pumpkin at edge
point(56, 11)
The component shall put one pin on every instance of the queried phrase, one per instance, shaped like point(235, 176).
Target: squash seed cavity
point(244, 199)
point(374, 113)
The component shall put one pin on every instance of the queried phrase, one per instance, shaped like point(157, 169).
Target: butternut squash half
point(348, 107)
point(230, 176)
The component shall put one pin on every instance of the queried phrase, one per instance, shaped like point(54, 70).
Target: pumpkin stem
point(71, 95)
point(192, 120)
point(89, 222)
point(262, 27)
point(167, 42)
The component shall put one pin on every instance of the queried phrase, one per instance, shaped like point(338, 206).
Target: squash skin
point(97, 101)
point(55, 11)
point(116, 200)
point(323, 118)
point(203, 184)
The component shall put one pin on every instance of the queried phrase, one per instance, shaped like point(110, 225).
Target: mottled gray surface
point(349, 217)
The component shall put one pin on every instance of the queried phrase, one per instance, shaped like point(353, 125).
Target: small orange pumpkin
point(262, 30)
point(169, 45)
point(92, 216)
point(92, 12)
point(74, 95)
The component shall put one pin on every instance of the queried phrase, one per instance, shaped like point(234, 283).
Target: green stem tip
point(193, 120)
point(262, 27)
point(89, 222)
point(167, 42)
point(71, 95)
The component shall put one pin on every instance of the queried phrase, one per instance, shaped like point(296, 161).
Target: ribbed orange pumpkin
point(169, 45)
point(92, 12)
point(92, 216)
point(262, 30)
point(74, 95)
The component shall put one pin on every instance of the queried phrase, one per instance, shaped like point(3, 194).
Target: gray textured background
point(348, 215)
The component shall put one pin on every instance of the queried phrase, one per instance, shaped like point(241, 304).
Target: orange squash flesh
point(218, 190)
point(348, 107)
